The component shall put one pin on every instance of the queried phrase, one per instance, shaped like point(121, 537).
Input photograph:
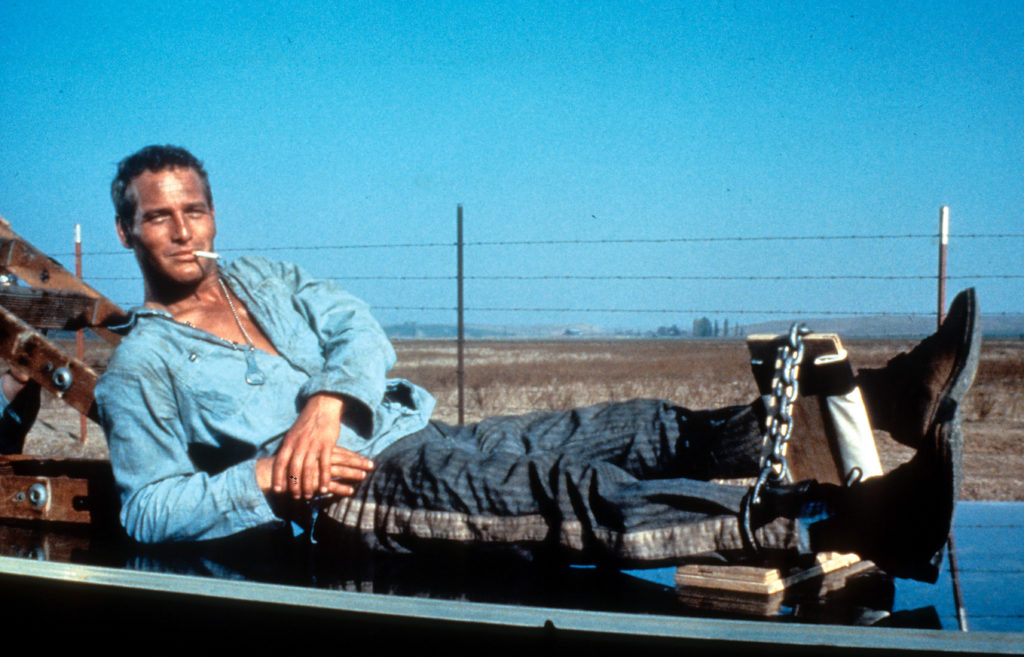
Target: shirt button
point(193, 356)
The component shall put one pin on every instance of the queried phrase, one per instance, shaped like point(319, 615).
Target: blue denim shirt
point(185, 428)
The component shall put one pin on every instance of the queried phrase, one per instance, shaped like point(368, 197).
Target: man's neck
point(207, 306)
point(182, 301)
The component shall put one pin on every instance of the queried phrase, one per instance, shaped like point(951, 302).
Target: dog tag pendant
point(254, 376)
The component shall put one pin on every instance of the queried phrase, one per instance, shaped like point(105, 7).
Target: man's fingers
point(339, 474)
point(282, 460)
point(19, 374)
point(305, 470)
point(325, 468)
point(345, 473)
point(309, 474)
point(341, 490)
point(342, 456)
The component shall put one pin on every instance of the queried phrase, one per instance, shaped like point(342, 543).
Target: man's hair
point(153, 159)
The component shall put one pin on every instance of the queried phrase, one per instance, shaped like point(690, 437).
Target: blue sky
point(331, 124)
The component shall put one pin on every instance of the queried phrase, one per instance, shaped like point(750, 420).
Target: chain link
point(778, 423)
point(785, 388)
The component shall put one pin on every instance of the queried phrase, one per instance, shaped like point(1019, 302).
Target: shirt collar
point(133, 317)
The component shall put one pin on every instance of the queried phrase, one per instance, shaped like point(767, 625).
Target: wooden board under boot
point(764, 591)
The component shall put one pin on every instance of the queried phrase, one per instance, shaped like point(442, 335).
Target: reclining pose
point(241, 388)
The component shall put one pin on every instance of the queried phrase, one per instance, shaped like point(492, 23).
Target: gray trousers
point(625, 483)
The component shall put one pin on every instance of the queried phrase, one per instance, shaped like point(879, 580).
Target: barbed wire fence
point(618, 277)
point(459, 304)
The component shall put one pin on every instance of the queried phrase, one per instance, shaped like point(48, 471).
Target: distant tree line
point(702, 328)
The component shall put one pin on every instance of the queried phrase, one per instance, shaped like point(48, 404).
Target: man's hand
point(14, 381)
point(309, 461)
point(345, 466)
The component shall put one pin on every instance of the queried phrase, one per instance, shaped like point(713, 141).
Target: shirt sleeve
point(163, 496)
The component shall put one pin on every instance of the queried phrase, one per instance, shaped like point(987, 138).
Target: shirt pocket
point(214, 380)
point(218, 402)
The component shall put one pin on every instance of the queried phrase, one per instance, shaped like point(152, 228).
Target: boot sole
point(965, 365)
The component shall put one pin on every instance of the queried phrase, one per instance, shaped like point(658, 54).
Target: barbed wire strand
point(653, 277)
point(578, 277)
point(663, 240)
point(858, 313)
point(670, 311)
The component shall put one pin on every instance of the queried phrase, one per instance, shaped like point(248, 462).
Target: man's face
point(172, 219)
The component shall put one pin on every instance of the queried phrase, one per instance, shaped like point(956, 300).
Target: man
point(239, 388)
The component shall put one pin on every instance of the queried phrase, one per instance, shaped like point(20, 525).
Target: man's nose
point(180, 228)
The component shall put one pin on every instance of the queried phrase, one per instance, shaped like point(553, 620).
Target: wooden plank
point(35, 268)
point(764, 591)
point(49, 309)
point(79, 491)
point(758, 580)
point(66, 377)
point(811, 451)
point(53, 499)
point(825, 367)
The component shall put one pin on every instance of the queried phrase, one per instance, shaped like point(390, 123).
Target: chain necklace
point(254, 376)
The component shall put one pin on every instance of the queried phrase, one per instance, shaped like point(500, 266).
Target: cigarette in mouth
point(206, 254)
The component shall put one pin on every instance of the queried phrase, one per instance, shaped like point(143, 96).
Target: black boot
point(917, 389)
point(902, 519)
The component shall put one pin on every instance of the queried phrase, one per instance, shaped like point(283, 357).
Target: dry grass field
point(516, 376)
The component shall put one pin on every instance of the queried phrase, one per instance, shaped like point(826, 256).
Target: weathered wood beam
point(19, 257)
point(49, 309)
point(66, 377)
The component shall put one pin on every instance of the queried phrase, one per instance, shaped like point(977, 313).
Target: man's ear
point(126, 238)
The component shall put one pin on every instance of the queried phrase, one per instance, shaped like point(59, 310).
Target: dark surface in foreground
point(988, 538)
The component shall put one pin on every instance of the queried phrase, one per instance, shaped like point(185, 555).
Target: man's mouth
point(178, 259)
point(183, 255)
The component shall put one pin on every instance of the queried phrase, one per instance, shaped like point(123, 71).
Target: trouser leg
point(645, 437)
point(624, 483)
